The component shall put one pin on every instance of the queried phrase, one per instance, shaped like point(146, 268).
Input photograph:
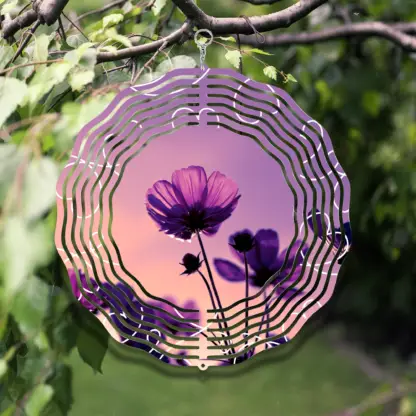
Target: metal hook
point(202, 46)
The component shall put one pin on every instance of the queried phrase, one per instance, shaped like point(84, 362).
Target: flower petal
point(190, 185)
point(214, 217)
point(221, 191)
point(294, 252)
point(173, 223)
point(337, 237)
point(229, 271)
point(264, 253)
point(162, 196)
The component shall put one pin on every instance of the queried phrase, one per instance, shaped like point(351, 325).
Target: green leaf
point(63, 331)
point(78, 80)
point(179, 61)
point(40, 51)
point(6, 53)
point(30, 305)
point(12, 94)
point(75, 40)
point(74, 57)
point(10, 411)
point(9, 7)
point(372, 102)
point(291, 78)
point(258, 51)
point(48, 143)
point(112, 20)
point(271, 72)
point(73, 119)
point(228, 39)
point(3, 368)
point(45, 79)
point(116, 37)
point(61, 381)
point(108, 48)
point(324, 92)
point(157, 7)
point(40, 397)
point(92, 341)
point(10, 158)
point(39, 187)
point(22, 248)
point(233, 57)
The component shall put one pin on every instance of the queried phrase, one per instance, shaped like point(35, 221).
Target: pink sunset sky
point(153, 257)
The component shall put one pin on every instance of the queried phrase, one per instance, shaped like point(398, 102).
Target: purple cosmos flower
point(334, 237)
point(86, 288)
point(192, 202)
point(264, 260)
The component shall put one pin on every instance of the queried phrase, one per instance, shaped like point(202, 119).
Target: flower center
point(195, 219)
point(261, 276)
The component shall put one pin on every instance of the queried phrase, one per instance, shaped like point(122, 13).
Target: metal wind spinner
point(248, 189)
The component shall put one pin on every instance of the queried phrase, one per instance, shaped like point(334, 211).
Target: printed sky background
point(152, 256)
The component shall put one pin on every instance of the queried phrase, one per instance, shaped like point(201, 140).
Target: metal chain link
point(203, 46)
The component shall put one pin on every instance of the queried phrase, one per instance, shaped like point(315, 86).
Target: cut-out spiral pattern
point(217, 99)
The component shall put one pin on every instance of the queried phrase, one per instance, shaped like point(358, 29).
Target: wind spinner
point(203, 217)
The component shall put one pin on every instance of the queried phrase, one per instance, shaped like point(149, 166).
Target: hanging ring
point(208, 42)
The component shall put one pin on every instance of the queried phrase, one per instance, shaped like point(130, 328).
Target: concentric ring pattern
point(221, 100)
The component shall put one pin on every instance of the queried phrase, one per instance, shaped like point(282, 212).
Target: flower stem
point(204, 254)
point(267, 314)
point(212, 301)
point(209, 291)
point(246, 270)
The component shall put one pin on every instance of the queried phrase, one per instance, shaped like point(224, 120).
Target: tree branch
point(229, 25)
point(174, 37)
point(261, 2)
point(103, 9)
point(379, 400)
point(24, 20)
point(393, 32)
point(49, 10)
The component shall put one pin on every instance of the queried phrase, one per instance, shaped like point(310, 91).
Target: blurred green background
point(363, 91)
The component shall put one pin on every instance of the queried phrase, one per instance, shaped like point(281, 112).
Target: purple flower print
point(86, 288)
point(335, 238)
point(264, 259)
point(192, 202)
point(244, 357)
point(170, 324)
point(129, 317)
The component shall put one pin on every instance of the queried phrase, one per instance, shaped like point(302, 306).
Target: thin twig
point(149, 62)
point(12, 68)
point(24, 42)
point(61, 26)
point(101, 10)
point(379, 400)
point(76, 26)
